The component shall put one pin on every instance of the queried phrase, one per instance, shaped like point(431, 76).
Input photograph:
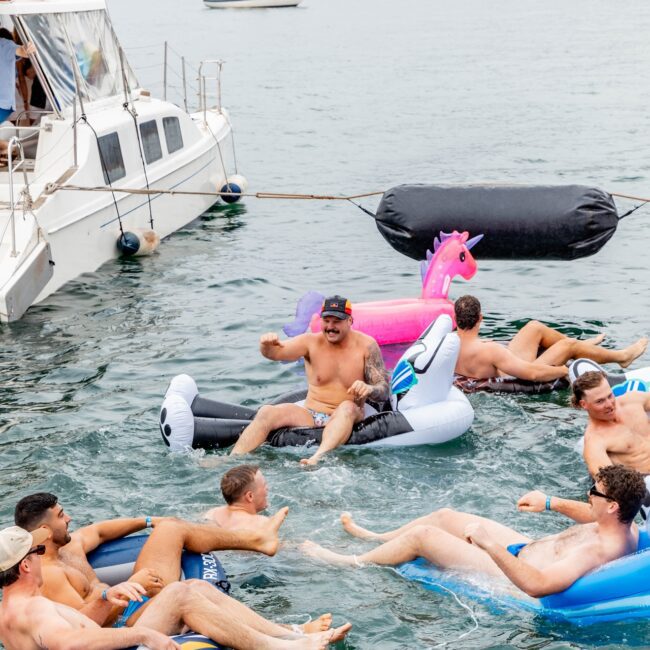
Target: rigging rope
point(55, 187)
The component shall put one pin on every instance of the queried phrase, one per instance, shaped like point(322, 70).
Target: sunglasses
point(595, 493)
point(39, 550)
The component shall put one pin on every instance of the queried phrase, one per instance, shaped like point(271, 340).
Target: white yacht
point(103, 131)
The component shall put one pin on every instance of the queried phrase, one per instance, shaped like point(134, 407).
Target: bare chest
point(335, 366)
point(78, 572)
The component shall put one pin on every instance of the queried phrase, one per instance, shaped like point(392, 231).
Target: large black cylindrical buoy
point(517, 221)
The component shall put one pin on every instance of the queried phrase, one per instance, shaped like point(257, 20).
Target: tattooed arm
point(375, 386)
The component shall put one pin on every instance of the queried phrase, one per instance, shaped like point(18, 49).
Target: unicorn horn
point(473, 241)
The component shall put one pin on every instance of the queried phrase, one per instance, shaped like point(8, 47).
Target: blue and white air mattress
point(617, 590)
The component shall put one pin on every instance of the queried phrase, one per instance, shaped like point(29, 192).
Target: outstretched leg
point(567, 349)
point(183, 604)
point(436, 545)
point(162, 551)
point(451, 521)
point(337, 431)
point(267, 419)
point(558, 348)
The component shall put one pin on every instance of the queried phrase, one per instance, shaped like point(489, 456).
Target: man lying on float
point(520, 358)
point(344, 368)
point(457, 540)
point(69, 579)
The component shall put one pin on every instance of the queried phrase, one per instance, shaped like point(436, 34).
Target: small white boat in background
point(103, 131)
point(250, 4)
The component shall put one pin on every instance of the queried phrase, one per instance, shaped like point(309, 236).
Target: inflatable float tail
point(307, 306)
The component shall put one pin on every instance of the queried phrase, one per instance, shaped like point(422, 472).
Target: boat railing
point(204, 89)
point(15, 144)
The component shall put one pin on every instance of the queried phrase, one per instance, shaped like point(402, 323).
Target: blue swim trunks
point(515, 549)
point(131, 609)
point(320, 419)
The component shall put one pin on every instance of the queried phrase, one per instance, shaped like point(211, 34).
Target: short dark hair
point(625, 486)
point(467, 310)
point(9, 576)
point(5, 33)
point(585, 382)
point(236, 480)
point(30, 511)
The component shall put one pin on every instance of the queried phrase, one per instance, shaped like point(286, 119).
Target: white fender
point(177, 422)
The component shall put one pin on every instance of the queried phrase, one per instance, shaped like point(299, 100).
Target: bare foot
point(317, 551)
point(352, 529)
point(322, 623)
point(321, 640)
point(595, 340)
point(340, 632)
point(305, 462)
point(269, 541)
point(633, 352)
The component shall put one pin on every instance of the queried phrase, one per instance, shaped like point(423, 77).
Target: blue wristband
point(548, 503)
point(147, 522)
point(105, 594)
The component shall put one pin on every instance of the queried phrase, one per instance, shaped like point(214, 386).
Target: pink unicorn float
point(403, 320)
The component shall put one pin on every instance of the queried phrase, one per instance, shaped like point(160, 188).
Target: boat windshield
point(84, 39)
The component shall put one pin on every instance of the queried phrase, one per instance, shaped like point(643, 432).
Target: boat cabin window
point(150, 141)
point(111, 159)
point(173, 134)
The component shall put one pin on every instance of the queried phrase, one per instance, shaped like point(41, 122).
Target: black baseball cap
point(336, 306)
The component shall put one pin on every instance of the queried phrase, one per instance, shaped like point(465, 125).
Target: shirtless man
point(30, 621)
point(484, 359)
point(344, 368)
point(458, 540)
point(246, 494)
point(69, 578)
point(618, 431)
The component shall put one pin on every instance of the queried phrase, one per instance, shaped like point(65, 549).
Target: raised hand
point(271, 339)
point(534, 501)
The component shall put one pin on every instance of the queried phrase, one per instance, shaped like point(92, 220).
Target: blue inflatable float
point(113, 562)
point(618, 590)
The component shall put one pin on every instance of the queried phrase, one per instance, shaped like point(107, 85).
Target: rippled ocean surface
point(344, 97)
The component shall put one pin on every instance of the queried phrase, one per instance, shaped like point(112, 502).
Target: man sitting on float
point(30, 621)
point(68, 578)
point(458, 540)
point(344, 368)
point(520, 358)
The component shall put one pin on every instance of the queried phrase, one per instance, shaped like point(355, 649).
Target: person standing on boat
point(520, 358)
point(9, 50)
point(344, 368)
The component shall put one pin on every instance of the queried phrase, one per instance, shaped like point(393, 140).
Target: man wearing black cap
point(344, 368)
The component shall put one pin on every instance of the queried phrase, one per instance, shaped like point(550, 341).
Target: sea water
point(347, 97)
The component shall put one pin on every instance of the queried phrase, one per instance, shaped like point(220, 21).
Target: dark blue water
point(346, 97)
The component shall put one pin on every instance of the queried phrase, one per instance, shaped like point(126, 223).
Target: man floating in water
point(457, 540)
point(520, 358)
point(245, 492)
point(344, 368)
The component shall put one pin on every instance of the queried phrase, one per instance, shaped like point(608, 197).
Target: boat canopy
point(76, 44)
